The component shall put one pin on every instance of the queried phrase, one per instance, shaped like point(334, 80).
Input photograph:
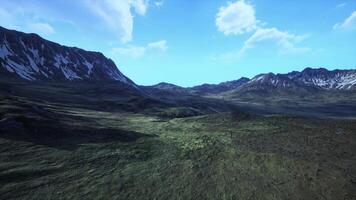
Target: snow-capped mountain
point(275, 84)
point(305, 82)
point(308, 79)
point(30, 57)
point(336, 79)
point(272, 80)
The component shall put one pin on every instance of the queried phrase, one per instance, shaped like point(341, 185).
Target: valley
point(115, 150)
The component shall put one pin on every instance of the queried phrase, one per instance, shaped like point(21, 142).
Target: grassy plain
point(50, 149)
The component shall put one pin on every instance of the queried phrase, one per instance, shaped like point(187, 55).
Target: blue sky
point(188, 42)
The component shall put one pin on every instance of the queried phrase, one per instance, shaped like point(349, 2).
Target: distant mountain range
point(30, 57)
point(308, 80)
point(40, 70)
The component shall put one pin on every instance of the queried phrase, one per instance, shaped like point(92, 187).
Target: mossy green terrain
point(54, 150)
point(206, 157)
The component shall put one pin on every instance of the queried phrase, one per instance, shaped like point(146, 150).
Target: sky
point(190, 42)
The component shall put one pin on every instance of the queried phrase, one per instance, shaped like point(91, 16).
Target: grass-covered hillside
point(71, 148)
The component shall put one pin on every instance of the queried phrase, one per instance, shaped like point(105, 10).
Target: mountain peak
point(164, 85)
point(30, 57)
point(325, 79)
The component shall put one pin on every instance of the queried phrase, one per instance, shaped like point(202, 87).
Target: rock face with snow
point(325, 79)
point(272, 80)
point(305, 82)
point(308, 80)
point(30, 57)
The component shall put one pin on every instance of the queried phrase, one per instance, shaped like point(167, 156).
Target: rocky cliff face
point(30, 57)
point(323, 78)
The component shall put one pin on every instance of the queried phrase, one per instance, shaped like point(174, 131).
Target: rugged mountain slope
point(311, 92)
point(30, 57)
point(218, 88)
point(297, 83)
point(308, 79)
point(270, 80)
point(325, 79)
point(200, 90)
point(69, 75)
point(169, 87)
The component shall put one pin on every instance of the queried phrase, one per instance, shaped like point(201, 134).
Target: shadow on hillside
point(55, 134)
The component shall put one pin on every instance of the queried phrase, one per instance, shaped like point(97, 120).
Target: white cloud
point(4, 15)
point(118, 15)
point(239, 18)
point(236, 18)
point(41, 28)
point(161, 45)
point(24, 21)
point(349, 23)
point(131, 51)
point(341, 5)
point(139, 51)
point(107, 16)
point(284, 40)
point(10, 19)
point(159, 3)
point(285, 43)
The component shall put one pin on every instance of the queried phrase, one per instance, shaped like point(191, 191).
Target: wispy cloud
point(159, 3)
point(161, 45)
point(131, 51)
point(139, 51)
point(41, 28)
point(348, 24)
point(113, 16)
point(24, 20)
point(5, 16)
point(341, 5)
point(285, 42)
point(119, 15)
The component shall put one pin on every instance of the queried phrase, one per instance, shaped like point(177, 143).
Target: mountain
point(69, 75)
point(271, 81)
point(297, 83)
point(30, 57)
point(169, 87)
point(325, 79)
point(218, 88)
point(199, 90)
point(307, 81)
point(73, 76)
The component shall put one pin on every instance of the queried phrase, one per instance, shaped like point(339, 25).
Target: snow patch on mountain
point(31, 57)
point(89, 66)
point(69, 74)
point(337, 79)
point(21, 70)
point(33, 64)
point(5, 50)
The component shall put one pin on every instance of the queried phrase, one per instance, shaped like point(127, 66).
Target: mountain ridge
point(30, 57)
point(309, 79)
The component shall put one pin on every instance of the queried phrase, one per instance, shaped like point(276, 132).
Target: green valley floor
point(80, 153)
